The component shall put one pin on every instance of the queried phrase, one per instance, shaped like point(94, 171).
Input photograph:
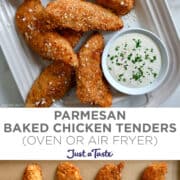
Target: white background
point(12, 147)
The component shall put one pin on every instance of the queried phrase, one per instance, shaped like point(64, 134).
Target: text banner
point(90, 134)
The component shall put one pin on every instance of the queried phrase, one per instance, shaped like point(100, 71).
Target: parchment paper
point(13, 170)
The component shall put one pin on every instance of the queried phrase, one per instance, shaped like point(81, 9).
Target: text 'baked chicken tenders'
point(121, 7)
point(51, 85)
point(49, 45)
point(110, 172)
point(33, 172)
point(156, 171)
point(79, 16)
point(91, 86)
point(67, 171)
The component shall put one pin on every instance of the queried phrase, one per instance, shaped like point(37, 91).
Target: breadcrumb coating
point(49, 45)
point(67, 171)
point(121, 7)
point(72, 36)
point(33, 172)
point(156, 171)
point(91, 86)
point(79, 15)
point(51, 85)
point(110, 172)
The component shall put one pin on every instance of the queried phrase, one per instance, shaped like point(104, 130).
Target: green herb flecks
point(124, 80)
point(155, 75)
point(122, 55)
point(138, 75)
point(153, 59)
point(117, 48)
point(112, 57)
point(130, 56)
point(146, 56)
point(126, 67)
point(120, 77)
point(137, 59)
point(118, 64)
point(137, 42)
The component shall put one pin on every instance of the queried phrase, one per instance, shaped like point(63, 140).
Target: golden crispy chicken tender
point(33, 172)
point(110, 172)
point(91, 86)
point(72, 36)
point(51, 85)
point(79, 15)
point(156, 171)
point(121, 7)
point(49, 45)
point(67, 171)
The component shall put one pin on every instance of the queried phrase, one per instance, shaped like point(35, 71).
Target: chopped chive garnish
point(138, 58)
point(122, 55)
point(117, 48)
point(130, 56)
point(125, 67)
point(112, 57)
point(155, 75)
point(146, 56)
point(138, 42)
point(110, 68)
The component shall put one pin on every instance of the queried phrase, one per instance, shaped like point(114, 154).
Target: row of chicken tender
point(53, 31)
point(68, 171)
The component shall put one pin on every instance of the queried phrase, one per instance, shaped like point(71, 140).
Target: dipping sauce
point(134, 60)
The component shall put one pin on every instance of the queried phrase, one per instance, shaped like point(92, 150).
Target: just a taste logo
point(93, 153)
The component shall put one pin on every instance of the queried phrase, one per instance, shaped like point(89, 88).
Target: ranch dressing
point(134, 60)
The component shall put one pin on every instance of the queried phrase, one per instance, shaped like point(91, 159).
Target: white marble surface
point(9, 94)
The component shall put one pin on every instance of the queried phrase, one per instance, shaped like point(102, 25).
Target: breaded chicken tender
point(51, 85)
point(49, 45)
point(156, 171)
point(79, 15)
point(33, 172)
point(67, 171)
point(110, 172)
point(121, 7)
point(91, 86)
point(72, 36)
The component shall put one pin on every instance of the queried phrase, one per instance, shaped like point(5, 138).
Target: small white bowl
point(139, 90)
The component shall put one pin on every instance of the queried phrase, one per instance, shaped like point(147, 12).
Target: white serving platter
point(153, 15)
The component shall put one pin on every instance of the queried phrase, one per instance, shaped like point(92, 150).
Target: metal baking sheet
point(150, 14)
point(13, 170)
